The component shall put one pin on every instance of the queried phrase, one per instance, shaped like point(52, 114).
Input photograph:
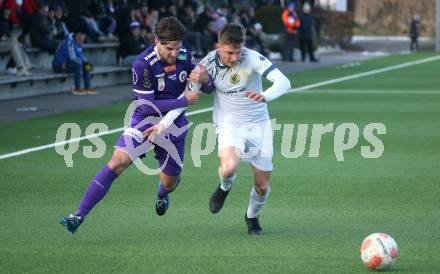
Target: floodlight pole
point(438, 27)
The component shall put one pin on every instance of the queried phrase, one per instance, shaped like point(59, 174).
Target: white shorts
point(254, 142)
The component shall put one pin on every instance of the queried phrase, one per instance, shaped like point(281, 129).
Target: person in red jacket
point(15, 9)
point(291, 23)
point(28, 8)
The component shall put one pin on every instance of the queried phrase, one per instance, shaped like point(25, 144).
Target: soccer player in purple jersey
point(159, 79)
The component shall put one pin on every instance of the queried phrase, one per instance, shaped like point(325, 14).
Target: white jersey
point(230, 104)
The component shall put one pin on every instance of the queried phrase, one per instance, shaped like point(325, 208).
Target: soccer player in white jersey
point(240, 116)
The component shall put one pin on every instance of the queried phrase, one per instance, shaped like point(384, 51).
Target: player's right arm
point(199, 80)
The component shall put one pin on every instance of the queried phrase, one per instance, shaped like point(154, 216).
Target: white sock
point(226, 183)
point(256, 202)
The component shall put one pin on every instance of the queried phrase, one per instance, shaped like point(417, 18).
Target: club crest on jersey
point(134, 76)
point(181, 57)
point(169, 68)
point(161, 84)
point(146, 83)
point(182, 76)
point(235, 78)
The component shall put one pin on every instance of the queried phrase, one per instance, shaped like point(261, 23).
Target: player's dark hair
point(232, 34)
point(170, 29)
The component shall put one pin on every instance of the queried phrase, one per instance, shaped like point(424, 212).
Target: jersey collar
point(157, 53)
point(217, 61)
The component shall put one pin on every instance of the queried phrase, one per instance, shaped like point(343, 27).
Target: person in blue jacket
point(69, 58)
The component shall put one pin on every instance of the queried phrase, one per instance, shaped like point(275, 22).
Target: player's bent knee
point(228, 169)
point(262, 188)
point(119, 162)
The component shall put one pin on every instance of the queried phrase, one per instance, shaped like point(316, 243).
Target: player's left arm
point(280, 83)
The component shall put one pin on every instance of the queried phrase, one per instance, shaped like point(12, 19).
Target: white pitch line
point(79, 139)
point(367, 73)
point(303, 88)
point(372, 91)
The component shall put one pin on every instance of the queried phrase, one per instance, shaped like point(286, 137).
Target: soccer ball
point(379, 251)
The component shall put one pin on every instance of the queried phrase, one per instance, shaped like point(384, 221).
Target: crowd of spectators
point(61, 27)
point(47, 23)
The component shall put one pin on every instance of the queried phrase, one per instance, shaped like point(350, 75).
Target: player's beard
point(171, 60)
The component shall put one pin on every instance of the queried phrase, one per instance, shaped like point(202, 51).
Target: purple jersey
point(161, 84)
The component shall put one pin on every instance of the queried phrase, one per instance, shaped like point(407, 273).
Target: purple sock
point(162, 191)
point(96, 191)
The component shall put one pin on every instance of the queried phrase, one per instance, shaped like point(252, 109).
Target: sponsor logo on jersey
point(160, 75)
point(235, 78)
point(182, 76)
point(170, 68)
point(172, 77)
point(161, 84)
point(229, 92)
point(146, 82)
point(262, 58)
point(181, 57)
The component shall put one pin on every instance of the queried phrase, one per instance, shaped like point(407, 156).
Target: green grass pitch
point(317, 215)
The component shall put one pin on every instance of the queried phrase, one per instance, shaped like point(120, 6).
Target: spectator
point(124, 18)
point(193, 38)
point(291, 23)
point(152, 19)
point(163, 11)
point(143, 14)
point(10, 44)
point(219, 21)
point(147, 35)
point(69, 58)
point(105, 18)
point(414, 33)
point(257, 41)
point(172, 10)
point(133, 44)
point(28, 9)
point(305, 31)
point(205, 25)
point(15, 8)
point(254, 30)
point(224, 11)
point(91, 27)
point(59, 28)
point(40, 31)
point(72, 11)
point(146, 27)
point(203, 20)
point(235, 16)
